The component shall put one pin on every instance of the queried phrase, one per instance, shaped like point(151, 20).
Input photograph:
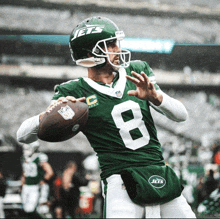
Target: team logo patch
point(89, 29)
point(66, 112)
point(157, 182)
point(92, 101)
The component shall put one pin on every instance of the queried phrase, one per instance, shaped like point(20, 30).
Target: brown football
point(63, 121)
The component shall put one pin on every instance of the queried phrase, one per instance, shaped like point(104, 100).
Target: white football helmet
point(30, 149)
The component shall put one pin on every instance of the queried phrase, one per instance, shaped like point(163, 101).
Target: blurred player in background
point(120, 128)
point(36, 174)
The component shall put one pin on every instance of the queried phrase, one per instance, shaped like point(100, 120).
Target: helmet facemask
point(101, 50)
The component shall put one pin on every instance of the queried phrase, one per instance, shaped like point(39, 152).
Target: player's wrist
point(157, 99)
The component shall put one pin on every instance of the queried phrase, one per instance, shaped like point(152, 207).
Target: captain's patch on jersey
point(66, 112)
point(157, 181)
point(92, 101)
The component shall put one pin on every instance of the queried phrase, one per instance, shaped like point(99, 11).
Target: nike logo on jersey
point(118, 93)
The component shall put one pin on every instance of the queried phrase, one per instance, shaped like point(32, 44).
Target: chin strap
point(90, 62)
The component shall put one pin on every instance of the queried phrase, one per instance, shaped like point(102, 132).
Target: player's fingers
point(81, 99)
point(151, 86)
point(62, 99)
point(138, 76)
point(133, 80)
point(146, 79)
point(71, 98)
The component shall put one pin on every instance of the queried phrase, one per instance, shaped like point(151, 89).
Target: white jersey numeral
point(127, 126)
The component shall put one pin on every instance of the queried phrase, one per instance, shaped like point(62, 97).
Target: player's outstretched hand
point(145, 89)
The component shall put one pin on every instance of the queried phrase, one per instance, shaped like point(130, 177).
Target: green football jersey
point(32, 169)
point(120, 127)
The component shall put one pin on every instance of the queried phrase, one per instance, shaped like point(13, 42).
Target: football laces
point(53, 106)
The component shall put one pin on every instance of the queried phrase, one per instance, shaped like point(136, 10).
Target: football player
point(36, 174)
point(120, 128)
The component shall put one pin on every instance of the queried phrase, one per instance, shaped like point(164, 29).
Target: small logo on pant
point(157, 181)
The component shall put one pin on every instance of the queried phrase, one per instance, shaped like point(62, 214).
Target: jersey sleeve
point(62, 90)
point(69, 88)
point(43, 157)
point(139, 66)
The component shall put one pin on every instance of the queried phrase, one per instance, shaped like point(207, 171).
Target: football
point(63, 121)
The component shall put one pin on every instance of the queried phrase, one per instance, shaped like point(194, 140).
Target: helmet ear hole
point(89, 54)
point(98, 51)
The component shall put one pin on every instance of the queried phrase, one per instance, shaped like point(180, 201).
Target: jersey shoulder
point(69, 88)
point(138, 66)
point(42, 157)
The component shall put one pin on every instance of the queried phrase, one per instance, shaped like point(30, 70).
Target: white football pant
point(44, 193)
point(30, 196)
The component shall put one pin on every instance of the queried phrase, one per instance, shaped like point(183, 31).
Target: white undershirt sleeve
point(27, 132)
point(171, 108)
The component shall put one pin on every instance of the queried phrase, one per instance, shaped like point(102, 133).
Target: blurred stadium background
point(179, 39)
